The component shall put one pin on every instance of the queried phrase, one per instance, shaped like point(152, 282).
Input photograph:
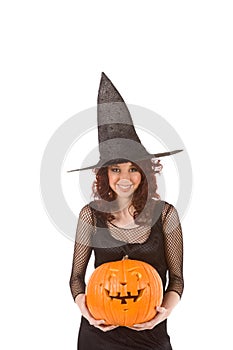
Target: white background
point(174, 57)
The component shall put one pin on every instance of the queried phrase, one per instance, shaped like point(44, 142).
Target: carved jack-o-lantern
point(124, 292)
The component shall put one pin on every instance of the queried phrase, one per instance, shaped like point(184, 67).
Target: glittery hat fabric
point(118, 140)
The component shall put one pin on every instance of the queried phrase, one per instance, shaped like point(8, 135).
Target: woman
point(126, 185)
point(127, 217)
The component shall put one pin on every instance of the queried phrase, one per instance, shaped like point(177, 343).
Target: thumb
point(99, 322)
point(95, 322)
point(160, 309)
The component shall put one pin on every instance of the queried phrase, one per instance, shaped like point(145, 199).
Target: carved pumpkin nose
point(123, 289)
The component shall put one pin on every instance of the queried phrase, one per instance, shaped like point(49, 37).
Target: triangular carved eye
point(137, 274)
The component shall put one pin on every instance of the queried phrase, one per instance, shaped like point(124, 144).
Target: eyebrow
point(117, 165)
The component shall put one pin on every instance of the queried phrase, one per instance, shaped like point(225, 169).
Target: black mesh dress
point(160, 245)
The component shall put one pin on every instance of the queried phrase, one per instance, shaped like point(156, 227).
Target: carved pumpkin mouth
point(124, 298)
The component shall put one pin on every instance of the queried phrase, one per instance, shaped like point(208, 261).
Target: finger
point(134, 328)
point(159, 318)
point(94, 322)
point(139, 329)
point(98, 322)
point(161, 309)
point(140, 325)
point(106, 328)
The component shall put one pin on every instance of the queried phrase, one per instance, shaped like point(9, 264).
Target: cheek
point(111, 178)
point(137, 179)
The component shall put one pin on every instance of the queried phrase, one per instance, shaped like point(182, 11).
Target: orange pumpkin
point(124, 292)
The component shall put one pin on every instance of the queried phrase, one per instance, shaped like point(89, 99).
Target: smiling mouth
point(124, 187)
point(124, 298)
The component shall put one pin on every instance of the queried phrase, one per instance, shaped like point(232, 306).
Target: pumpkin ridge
point(103, 303)
point(136, 316)
point(159, 287)
point(146, 310)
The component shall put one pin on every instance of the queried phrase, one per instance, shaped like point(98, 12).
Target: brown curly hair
point(146, 191)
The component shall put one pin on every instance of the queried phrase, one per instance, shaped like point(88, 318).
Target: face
point(124, 178)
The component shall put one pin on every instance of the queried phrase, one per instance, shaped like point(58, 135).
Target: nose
point(125, 175)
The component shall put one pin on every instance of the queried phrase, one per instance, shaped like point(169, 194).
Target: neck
point(123, 204)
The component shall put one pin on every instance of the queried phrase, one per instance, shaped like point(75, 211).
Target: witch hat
point(118, 140)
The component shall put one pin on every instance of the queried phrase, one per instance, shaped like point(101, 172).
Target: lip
point(124, 188)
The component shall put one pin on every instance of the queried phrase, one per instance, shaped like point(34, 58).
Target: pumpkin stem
point(126, 257)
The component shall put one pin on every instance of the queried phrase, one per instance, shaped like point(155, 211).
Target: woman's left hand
point(162, 314)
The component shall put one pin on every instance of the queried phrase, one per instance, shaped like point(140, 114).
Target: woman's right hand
point(80, 300)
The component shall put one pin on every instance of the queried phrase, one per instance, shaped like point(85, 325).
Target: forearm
point(170, 300)
point(80, 300)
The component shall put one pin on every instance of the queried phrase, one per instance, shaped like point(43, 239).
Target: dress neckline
point(123, 228)
point(125, 242)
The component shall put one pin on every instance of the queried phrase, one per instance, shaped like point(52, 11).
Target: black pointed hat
point(118, 140)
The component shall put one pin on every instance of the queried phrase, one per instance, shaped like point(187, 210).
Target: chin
point(124, 195)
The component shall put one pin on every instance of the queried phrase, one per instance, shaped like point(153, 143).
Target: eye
point(115, 170)
point(133, 169)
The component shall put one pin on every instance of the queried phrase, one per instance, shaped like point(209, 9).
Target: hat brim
point(105, 163)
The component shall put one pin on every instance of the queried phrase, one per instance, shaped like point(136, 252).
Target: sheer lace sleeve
point(173, 248)
point(82, 251)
